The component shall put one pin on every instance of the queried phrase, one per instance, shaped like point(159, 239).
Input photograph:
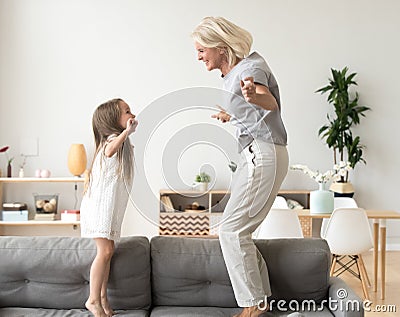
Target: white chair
point(338, 202)
point(348, 235)
point(280, 223)
point(344, 202)
point(279, 203)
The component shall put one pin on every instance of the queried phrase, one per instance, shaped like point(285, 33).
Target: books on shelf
point(45, 217)
point(14, 206)
point(166, 204)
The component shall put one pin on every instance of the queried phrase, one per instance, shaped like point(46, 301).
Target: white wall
point(60, 59)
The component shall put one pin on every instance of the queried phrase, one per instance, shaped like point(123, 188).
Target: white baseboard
point(393, 247)
point(393, 243)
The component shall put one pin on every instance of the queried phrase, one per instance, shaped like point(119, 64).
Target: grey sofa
point(167, 276)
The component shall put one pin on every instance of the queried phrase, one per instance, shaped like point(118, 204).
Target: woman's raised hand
point(248, 89)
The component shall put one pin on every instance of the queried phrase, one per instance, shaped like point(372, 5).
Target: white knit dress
point(103, 205)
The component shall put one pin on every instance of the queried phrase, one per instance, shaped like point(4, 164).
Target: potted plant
point(338, 132)
point(201, 181)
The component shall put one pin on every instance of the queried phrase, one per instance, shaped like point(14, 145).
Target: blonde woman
point(253, 106)
point(105, 200)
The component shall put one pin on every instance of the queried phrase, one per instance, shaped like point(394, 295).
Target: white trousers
point(257, 181)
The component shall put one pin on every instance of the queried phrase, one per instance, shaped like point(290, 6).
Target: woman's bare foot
point(107, 308)
point(250, 312)
point(95, 308)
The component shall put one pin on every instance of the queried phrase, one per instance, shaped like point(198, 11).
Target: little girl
point(104, 203)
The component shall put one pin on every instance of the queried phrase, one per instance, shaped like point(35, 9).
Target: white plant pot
point(201, 187)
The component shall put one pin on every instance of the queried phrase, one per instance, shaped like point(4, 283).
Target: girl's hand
point(131, 125)
point(222, 115)
point(248, 89)
point(115, 143)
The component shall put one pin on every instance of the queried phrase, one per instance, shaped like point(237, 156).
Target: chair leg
point(363, 279)
point(364, 270)
point(333, 264)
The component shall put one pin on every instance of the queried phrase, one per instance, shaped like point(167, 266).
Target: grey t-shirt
point(253, 121)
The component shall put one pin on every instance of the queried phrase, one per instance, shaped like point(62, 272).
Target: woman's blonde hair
point(105, 123)
point(218, 32)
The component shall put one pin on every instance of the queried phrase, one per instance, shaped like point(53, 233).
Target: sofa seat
point(181, 311)
point(168, 311)
point(40, 312)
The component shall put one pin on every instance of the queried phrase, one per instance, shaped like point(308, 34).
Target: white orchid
point(341, 170)
point(334, 174)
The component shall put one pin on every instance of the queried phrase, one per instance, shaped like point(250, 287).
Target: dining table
point(379, 218)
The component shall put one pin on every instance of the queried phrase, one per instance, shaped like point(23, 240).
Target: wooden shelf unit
point(6, 226)
point(205, 222)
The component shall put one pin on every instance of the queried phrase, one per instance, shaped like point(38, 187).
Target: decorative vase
point(21, 172)
point(342, 189)
point(9, 170)
point(321, 200)
point(77, 159)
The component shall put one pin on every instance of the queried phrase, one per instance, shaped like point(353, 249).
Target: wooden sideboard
point(176, 219)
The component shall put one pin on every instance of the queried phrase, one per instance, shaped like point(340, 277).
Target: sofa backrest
point(298, 268)
point(53, 272)
point(189, 272)
point(192, 272)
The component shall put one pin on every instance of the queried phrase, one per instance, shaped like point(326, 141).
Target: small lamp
point(77, 159)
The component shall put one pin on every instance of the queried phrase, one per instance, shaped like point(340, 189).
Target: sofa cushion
point(192, 272)
point(189, 272)
point(53, 272)
point(40, 312)
point(176, 311)
point(298, 268)
point(173, 311)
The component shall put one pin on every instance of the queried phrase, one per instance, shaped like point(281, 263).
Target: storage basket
point(46, 204)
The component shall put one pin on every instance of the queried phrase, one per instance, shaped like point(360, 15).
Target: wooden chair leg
point(364, 270)
point(363, 279)
point(333, 264)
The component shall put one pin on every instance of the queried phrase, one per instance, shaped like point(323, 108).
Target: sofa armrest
point(343, 301)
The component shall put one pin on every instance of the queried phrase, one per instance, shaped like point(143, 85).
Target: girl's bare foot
point(95, 308)
point(107, 308)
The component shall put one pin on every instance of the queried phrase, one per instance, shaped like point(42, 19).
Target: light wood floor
point(392, 299)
